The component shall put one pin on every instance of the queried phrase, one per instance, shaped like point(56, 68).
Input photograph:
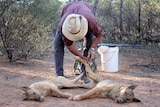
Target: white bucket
point(109, 58)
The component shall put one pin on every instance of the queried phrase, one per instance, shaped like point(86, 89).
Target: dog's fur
point(106, 88)
point(37, 91)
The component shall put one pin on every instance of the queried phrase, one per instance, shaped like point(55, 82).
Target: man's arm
point(75, 51)
point(96, 41)
point(91, 52)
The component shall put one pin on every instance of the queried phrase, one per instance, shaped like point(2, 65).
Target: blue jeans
point(59, 51)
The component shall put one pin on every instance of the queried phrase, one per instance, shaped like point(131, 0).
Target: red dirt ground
point(136, 66)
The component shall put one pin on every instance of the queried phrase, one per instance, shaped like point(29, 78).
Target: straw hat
point(75, 27)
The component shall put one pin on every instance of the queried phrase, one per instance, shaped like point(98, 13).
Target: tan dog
point(37, 91)
point(107, 88)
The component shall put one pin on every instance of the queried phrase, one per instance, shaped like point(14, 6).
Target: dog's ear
point(136, 100)
point(132, 87)
point(24, 88)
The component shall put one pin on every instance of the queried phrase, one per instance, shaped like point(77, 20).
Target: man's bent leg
point(87, 42)
point(58, 53)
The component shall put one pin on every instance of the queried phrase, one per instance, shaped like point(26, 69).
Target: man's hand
point(85, 58)
point(91, 54)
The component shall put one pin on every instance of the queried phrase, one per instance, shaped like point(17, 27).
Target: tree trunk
point(95, 6)
point(139, 16)
point(120, 16)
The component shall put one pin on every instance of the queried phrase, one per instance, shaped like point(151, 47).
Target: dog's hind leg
point(77, 78)
point(95, 76)
point(95, 92)
point(87, 86)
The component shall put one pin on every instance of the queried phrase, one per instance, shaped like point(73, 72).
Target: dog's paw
point(70, 97)
point(76, 98)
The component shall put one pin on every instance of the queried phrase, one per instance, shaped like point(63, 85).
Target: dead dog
point(107, 88)
point(39, 90)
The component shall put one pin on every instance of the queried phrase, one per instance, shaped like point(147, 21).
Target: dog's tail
point(77, 78)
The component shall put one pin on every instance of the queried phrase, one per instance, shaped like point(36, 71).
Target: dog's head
point(127, 95)
point(32, 94)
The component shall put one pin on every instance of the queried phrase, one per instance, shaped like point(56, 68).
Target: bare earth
point(136, 66)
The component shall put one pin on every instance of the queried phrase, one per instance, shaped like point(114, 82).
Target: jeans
point(59, 51)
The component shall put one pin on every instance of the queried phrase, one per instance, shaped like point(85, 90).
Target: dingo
point(107, 88)
point(37, 91)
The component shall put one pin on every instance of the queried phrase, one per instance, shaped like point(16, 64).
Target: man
point(77, 22)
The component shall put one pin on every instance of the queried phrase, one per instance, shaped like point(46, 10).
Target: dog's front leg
point(95, 92)
point(58, 93)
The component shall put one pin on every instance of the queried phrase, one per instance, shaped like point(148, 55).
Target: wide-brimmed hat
point(75, 27)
